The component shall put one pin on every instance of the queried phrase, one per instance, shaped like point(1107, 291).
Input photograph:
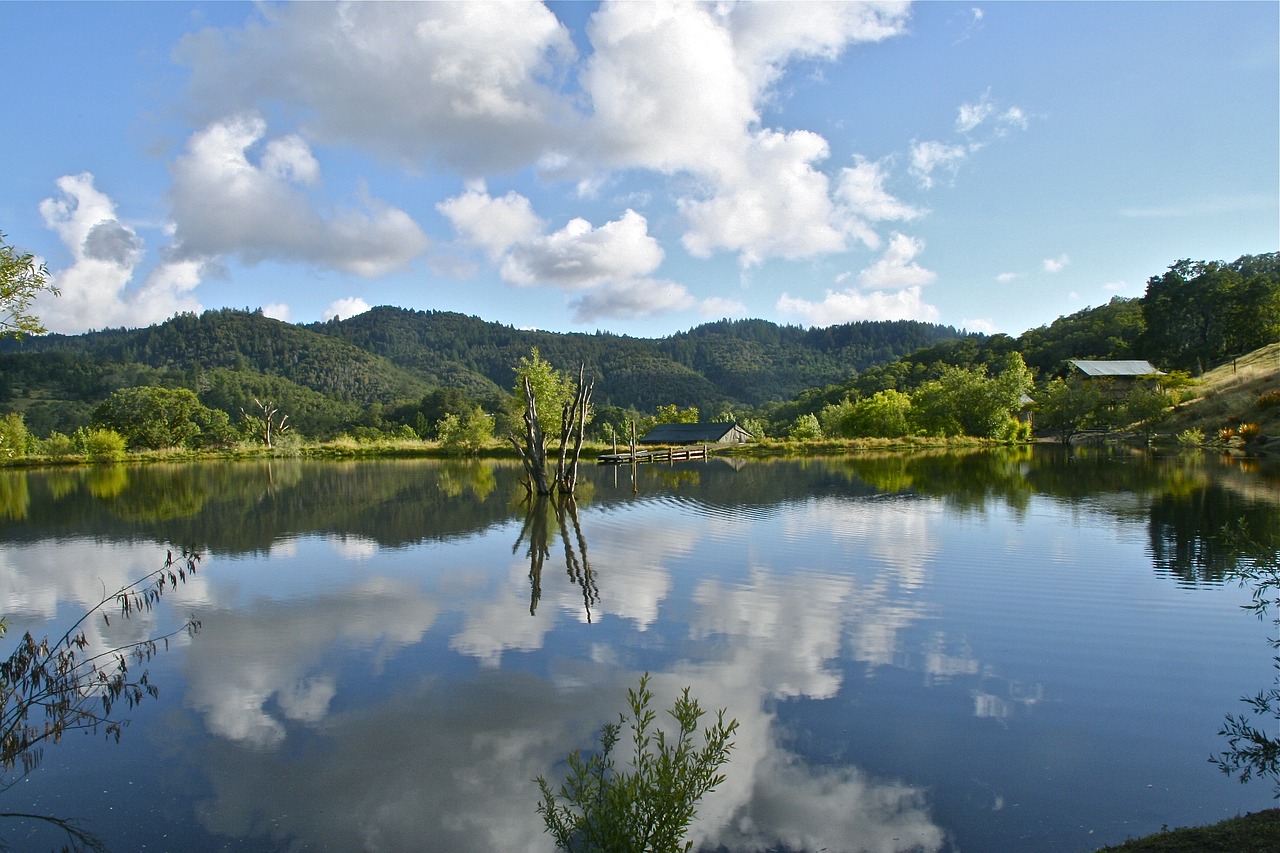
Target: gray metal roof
point(1116, 368)
point(689, 433)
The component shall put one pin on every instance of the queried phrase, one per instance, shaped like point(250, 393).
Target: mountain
point(332, 372)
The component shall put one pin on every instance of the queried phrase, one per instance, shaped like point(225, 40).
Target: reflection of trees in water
point(1186, 532)
point(563, 510)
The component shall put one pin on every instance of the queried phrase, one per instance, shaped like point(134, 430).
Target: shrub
point(1248, 431)
point(102, 445)
point(57, 445)
point(649, 808)
point(1269, 399)
point(14, 437)
point(1191, 437)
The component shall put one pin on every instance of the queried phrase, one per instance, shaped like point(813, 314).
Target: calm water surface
point(1008, 651)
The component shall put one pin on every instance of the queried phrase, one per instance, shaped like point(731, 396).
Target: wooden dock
point(659, 454)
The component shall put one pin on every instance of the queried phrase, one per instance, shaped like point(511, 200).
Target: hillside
point(338, 374)
point(1229, 394)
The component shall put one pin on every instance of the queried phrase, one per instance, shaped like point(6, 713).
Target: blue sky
point(634, 168)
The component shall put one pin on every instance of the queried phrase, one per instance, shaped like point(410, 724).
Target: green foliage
point(21, 280)
point(1108, 331)
point(1199, 313)
point(1193, 437)
point(884, 414)
point(648, 808)
point(805, 428)
point(551, 390)
point(1251, 750)
point(15, 440)
point(152, 418)
point(101, 445)
point(465, 435)
point(1066, 406)
point(673, 414)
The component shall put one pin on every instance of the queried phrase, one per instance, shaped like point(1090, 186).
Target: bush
point(57, 445)
point(102, 445)
point(648, 809)
point(1269, 399)
point(1191, 437)
point(15, 440)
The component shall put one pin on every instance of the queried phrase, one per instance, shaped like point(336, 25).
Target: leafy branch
point(50, 688)
point(1251, 750)
point(648, 808)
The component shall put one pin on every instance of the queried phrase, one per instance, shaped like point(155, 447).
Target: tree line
point(204, 381)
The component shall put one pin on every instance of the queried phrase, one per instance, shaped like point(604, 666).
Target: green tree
point(551, 390)
point(15, 440)
point(21, 281)
point(152, 418)
point(101, 445)
point(806, 428)
point(467, 434)
point(647, 809)
point(1198, 313)
point(1064, 407)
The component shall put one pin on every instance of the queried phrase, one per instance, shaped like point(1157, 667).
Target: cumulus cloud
point(225, 204)
point(1006, 277)
point(98, 290)
point(1055, 265)
point(848, 306)
point(891, 290)
point(468, 85)
point(897, 266)
point(611, 264)
point(277, 311)
point(981, 324)
point(863, 200)
point(675, 89)
point(632, 298)
point(346, 307)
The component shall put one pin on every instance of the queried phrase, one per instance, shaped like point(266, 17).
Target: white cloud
point(929, 157)
point(973, 115)
point(224, 204)
point(779, 206)
point(848, 306)
point(1006, 277)
point(468, 85)
point(897, 267)
point(863, 200)
point(98, 289)
point(345, 308)
point(277, 311)
point(494, 224)
point(1055, 265)
point(675, 89)
point(982, 324)
point(579, 256)
point(720, 306)
point(631, 298)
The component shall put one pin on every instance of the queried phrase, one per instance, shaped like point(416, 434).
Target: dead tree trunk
point(533, 450)
point(573, 424)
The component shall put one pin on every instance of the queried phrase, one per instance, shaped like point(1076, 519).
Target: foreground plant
point(50, 688)
point(648, 808)
point(1252, 750)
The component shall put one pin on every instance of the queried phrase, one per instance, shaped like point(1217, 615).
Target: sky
point(636, 168)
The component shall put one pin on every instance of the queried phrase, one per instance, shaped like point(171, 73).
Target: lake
point(1015, 650)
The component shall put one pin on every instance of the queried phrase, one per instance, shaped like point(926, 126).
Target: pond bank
point(1257, 832)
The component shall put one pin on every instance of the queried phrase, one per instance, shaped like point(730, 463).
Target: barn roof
point(1116, 368)
point(689, 433)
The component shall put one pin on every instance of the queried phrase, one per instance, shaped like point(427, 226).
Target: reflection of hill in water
point(247, 506)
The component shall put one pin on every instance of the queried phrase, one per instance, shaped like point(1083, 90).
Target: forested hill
point(745, 362)
point(329, 374)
